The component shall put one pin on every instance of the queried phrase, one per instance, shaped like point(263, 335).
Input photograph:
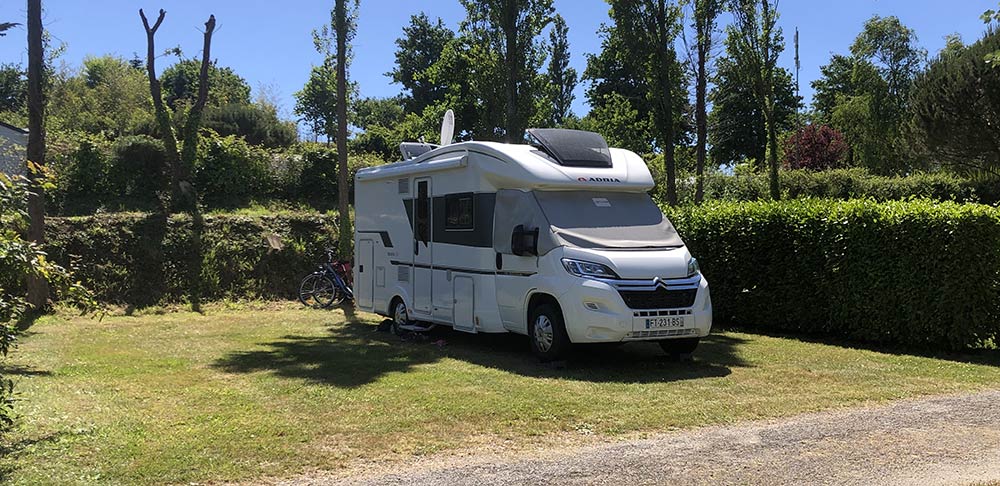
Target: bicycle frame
point(329, 271)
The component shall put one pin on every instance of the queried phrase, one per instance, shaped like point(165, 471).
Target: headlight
point(693, 267)
point(581, 268)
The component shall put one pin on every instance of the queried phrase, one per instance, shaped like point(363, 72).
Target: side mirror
point(524, 242)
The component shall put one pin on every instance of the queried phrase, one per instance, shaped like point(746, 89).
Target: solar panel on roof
point(573, 148)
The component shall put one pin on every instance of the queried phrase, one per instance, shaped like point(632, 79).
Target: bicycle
point(329, 285)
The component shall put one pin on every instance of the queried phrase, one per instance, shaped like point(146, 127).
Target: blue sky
point(269, 42)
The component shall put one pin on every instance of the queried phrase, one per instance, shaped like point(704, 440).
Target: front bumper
point(595, 312)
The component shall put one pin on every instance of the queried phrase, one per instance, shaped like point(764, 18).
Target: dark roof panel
point(573, 148)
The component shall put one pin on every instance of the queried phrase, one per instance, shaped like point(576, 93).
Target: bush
point(912, 273)
point(815, 147)
point(856, 183)
point(141, 260)
point(138, 170)
point(229, 172)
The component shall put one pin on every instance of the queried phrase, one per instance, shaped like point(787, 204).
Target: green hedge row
point(93, 174)
point(904, 272)
point(139, 259)
point(842, 184)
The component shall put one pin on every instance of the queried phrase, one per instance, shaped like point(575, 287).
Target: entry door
point(423, 214)
point(366, 285)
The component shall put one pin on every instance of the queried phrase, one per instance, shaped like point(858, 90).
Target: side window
point(458, 212)
point(423, 213)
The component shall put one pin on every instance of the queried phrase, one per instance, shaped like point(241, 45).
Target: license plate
point(661, 322)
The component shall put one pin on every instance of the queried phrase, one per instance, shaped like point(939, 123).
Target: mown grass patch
point(244, 392)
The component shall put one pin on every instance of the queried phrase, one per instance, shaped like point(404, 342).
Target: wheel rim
point(543, 333)
point(399, 315)
point(306, 289)
point(324, 291)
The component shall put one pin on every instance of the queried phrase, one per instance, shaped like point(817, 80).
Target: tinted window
point(458, 211)
point(423, 213)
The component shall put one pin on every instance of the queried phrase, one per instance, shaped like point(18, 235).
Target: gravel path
point(939, 440)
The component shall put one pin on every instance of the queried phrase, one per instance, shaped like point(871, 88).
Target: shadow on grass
point(355, 354)
point(20, 370)
point(979, 356)
point(12, 449)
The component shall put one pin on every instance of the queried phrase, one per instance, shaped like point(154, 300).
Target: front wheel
point(318, 291)
point(547, 333)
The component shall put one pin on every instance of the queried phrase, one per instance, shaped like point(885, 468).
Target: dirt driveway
point(928, 441)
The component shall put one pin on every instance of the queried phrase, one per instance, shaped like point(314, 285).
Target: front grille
point(659, 299)
point(661, 333)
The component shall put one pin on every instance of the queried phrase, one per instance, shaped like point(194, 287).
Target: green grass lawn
point(254, 391)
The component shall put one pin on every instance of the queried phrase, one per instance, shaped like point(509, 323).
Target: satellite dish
point(448, 128)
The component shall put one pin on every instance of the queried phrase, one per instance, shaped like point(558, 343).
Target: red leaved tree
point(815, 147)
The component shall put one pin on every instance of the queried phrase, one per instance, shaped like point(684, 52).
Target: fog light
point(592, 305)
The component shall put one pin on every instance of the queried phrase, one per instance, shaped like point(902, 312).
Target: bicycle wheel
point(317, 291)
point(325, 292)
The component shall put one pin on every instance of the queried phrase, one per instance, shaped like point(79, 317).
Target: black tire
point(399, 315)
point(547, 333)
point(318, 291)
point(680, 347)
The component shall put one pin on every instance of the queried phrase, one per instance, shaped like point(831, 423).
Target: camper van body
point(434, 234)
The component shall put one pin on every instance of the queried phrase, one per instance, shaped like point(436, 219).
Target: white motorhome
point(557, 240)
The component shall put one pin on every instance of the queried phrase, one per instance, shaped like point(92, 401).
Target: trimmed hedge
point(843, 184)
point(912, 273)
point(147, 259)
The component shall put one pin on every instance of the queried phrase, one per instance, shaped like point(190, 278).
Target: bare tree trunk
point(346, 234)
point(703, 28)
point(38, 289)
point(513, 129)
point(667, 104)
point(772, 157)
point(188, 193)
point(171, 155)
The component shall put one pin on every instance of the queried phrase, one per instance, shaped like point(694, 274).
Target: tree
point(317, 102)
point(736, 124)
point(5, 26)
point(13, 87)
point(989, 17)
point(38, 289)
point(180, 84)
point(617, 93)
point(503, 33)
point(648, 29)
point(705, 13)
point(892, 48)
point(344, 26)
point(184, 197)
point(107, 96)
point(815, 147)
point(954, 109)
point(866, 95)
point(562, 78)
point(755, 43)
point(418, 50)
point(836, 79)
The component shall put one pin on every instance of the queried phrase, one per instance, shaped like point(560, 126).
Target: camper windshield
point(589, 219)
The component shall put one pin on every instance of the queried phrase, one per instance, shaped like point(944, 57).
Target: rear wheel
point(318, 291)
point(680, 347)
point(400, 317)
point(547, 333)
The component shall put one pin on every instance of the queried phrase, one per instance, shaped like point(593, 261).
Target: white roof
point(522, 166)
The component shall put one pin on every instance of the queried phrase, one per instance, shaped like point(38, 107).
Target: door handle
point(361, 268)
point(416, 247)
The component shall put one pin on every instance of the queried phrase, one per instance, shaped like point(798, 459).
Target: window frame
point(449, 200)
